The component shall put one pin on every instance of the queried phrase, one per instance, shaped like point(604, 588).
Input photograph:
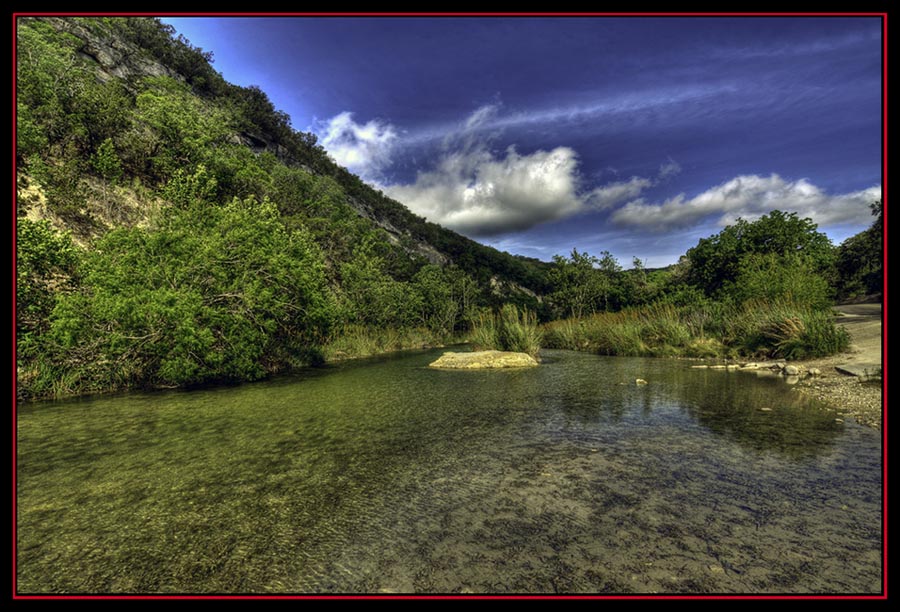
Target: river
point(384, 476)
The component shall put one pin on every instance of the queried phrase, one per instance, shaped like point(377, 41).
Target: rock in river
point(484, 359)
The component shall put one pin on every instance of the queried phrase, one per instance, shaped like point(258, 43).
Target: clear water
point(386, 476)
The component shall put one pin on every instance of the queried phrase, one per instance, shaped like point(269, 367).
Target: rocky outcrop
point(115, 57)
point(484, 360)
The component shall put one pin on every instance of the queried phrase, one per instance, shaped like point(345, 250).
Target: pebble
point(640, 381)
point(716, 569)
point(766, 409)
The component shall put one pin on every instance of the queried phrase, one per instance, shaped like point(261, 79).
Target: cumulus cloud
point(750, 197)
point(479, 193)
point(363, 148)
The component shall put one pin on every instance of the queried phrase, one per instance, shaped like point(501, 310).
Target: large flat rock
point(484, 359)
point(865, 371)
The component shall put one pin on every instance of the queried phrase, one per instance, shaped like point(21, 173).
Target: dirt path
point(850, 395)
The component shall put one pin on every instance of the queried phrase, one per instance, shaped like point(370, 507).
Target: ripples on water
point(386, 476)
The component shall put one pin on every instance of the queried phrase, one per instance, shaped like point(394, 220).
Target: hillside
point(128, 140)
point(125, 54)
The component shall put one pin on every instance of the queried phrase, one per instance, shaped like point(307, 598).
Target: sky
point(633, 135)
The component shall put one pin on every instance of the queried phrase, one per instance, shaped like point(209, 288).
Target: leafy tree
point(860, 259)
point(773, 276)
point(584, 284)
point(446, 298)
point(716, 262)
point(609, 269)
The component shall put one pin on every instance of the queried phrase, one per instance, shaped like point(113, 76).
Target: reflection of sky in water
point(385, 475)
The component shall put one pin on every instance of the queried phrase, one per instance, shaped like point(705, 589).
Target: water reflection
point(388, 476)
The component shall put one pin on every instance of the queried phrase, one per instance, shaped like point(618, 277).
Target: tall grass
point(780, 329)
point(785, 329)
point(353, 341)
point(508, 330)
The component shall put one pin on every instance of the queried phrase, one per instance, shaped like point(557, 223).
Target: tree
point(577, 287)
point(860, 259)
point(716, 262)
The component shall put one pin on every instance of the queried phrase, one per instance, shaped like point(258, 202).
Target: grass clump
point(508, 330)
point(787, 330)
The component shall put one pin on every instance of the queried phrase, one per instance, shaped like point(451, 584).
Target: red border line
point(882, 15)
point(446, 14)
point(884, 305)
point(15, 212)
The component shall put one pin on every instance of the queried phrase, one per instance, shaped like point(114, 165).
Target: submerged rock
point(484, 359)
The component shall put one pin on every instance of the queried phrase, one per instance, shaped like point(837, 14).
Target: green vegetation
point(191, 236)
point(507, 330)
point(860, 260)
point(756, 289)
point(755, 329)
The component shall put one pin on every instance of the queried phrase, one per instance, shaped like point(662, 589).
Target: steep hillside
point(173, 228)
point(123, 53)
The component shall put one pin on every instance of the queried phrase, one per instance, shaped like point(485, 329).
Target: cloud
point(603, 198)
point(363, 148)
point(480, 193)
point(750, 197)
point(477, 193)
point(670, 168)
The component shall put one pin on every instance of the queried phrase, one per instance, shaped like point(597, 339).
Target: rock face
point(483, 360)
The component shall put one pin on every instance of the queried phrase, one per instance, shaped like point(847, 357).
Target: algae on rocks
point(483, 360)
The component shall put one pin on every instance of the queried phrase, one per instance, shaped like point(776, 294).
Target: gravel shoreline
point(845, 395)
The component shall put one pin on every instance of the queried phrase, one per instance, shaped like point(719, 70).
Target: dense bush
point(208, 293)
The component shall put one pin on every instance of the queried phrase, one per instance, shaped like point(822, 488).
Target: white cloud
point(606, 197)
point(478, 193)
point(363, 148)
point(750, 197)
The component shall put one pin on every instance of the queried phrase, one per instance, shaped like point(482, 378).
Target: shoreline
point(842, 394)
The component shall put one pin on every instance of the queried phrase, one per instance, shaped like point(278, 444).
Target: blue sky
point(538, 135)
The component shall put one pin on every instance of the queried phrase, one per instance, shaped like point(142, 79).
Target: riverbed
point(384, 476)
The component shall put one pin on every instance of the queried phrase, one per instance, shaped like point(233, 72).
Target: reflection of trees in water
point(730, 404)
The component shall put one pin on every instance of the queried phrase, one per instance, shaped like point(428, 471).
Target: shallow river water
point(383, 476)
